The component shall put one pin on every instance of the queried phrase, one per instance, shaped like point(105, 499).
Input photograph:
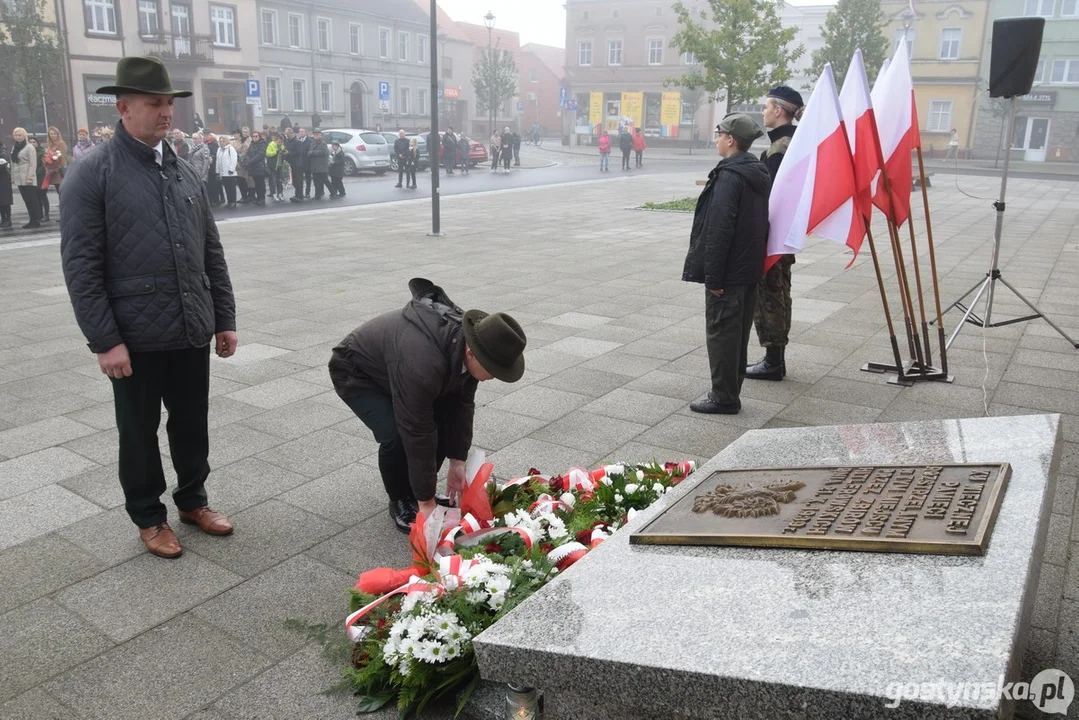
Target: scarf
point(17, 148)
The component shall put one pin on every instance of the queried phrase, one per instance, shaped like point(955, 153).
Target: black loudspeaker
point(1016, 45)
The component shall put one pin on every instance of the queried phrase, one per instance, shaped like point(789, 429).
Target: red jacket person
point(411, 376)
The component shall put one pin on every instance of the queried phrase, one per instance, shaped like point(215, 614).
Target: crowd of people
point(627, 142)
point(34, 168)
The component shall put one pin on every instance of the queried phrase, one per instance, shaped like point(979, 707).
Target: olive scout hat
point(142, 75)
point(498, 342)
point(740, 126)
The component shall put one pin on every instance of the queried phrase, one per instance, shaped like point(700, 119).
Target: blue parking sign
point(253, 89)
point(383, 90)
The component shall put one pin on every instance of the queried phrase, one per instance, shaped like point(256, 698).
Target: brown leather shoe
point(209, 521)
point(160, 540)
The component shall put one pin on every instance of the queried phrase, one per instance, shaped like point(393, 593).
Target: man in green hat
point(151, 292)
point(411, 375)
point(726, 252)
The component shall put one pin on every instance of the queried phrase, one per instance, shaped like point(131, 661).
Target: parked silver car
point(365, 150)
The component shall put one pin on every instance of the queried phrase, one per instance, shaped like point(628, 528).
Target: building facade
point(945, 39)
point(1047, 119)
point(345, 63)
point(209, 47)
point(455, 53)
point(540, 75)
point(55, 106)
point(619, 60)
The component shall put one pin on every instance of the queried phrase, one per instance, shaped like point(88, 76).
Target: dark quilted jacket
point(142, 257)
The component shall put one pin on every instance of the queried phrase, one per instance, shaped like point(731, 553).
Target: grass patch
point(688, 204)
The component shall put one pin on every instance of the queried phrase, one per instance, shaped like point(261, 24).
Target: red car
point(477, 152)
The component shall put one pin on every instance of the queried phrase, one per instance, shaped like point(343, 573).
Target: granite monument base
point(646, 631)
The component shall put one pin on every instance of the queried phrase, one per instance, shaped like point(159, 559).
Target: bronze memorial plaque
point(936, 509)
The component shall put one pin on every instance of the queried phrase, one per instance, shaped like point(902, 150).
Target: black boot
point(772, 367)
point(403, 514)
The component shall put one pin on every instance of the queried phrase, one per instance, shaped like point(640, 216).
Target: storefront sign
point(451, 93)
point(1040, 98)
point(633, 108)
point(671, 109)
point(100, 100)
point(595, 108)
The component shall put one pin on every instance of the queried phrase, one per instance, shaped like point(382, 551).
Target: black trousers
point(728, 323)
point(376, 411)
point(410, 176)
point(31, 196)
point(516, 154)
point(297, 183)
point(308, 177)
point(230, 188)
point(625, 159)
point(180, 379)
point(337, 187)
point(259, 182)
point(640, 156)
point(401, 172)
point(507, 156)
point(245, 187)
point(214, 189)
point(321, 183)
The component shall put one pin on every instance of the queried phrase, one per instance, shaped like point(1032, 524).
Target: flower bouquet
point(54, 163)
point(412, 629)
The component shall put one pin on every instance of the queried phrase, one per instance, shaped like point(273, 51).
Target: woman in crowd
point(604, 152)
point(56, 161)
point(256, 167)
point(24, 175)
point(200, 157)
point(226, 167)
point(625, 144)
point(83, 146)
point(462, 154)
point(276, 168)
point(243, 175)
point(213, 180)
point(412, 162)
point(496, 148)
point(42, 194)
point(5, 187)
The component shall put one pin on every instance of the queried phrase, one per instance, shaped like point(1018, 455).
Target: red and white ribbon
point(415, 585)
point(577, 478)
point(565, 555)
point(547, 504)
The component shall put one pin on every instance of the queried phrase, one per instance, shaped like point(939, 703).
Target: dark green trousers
point(728, 322)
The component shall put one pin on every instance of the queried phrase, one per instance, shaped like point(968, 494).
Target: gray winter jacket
point(142, 257)
point(320, 157)
point(200, 160)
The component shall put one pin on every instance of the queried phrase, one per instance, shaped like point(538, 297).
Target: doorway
point(226, 106)
point(355, 95)
point(1032, 137)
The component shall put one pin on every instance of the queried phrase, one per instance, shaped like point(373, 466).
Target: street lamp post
point(489, 21)
point(433, 138)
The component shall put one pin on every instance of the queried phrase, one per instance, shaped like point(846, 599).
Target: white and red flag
point(897, 124)
point(813, 192)
point(858, 117)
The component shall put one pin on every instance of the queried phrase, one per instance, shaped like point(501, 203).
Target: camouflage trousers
point(772, 314)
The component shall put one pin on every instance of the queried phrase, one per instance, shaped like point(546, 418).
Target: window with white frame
point(299, 95)
point(1039, 72)
point(421, 56)
point(325, 97)
point(1065, 72)
point(273, 93)
point(295, 30)
point(100, 16)
point(898, 38)
point(584, 52)
point(402, 46)
point(223, 24)
point(614, 52)
point(655, 51)
point(950, 39)
point(322, 31)
point(1069, 8)
point(148, 20)
point(355, 39)
point(421, 101)
point(1039, 8)
point(405, 105)
point(384, 43)
point(689, 58)
point(269, 27)
point(940, 116)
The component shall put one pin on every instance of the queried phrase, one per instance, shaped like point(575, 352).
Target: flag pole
point(921, 294)
point(897, 258)
point(933, 266)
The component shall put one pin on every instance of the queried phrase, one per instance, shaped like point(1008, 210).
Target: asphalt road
point(368, 189)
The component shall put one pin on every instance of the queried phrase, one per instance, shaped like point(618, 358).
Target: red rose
point(492, 548)
point(546, 547)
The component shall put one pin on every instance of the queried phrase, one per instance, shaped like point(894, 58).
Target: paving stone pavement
point(93, 627)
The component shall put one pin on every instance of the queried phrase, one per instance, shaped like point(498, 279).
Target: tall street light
point(489, 21)
point(433, 140)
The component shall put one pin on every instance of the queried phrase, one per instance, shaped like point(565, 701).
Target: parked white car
point(365, 150)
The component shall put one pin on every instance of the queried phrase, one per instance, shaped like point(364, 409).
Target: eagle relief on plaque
point(944, 509)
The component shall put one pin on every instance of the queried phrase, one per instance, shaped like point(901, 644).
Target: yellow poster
point(670, 111)
point(595, 108)
point(633, 108)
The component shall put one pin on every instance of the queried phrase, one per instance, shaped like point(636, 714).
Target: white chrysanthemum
point(618, 498)
point(640, 475)
point(632, 488)
point(614, 469)
point(499, 583)
point(404, 667)
point(658, 489)
point(497, 600)
point(556, 527)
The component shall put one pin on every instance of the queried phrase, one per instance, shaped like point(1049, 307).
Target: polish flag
point(813, 191)
point(897, 124)
point(857, 107)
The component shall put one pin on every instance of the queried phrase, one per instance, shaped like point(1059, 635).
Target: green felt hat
point(142, 75)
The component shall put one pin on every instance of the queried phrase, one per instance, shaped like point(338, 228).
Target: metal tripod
point(993, 276)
